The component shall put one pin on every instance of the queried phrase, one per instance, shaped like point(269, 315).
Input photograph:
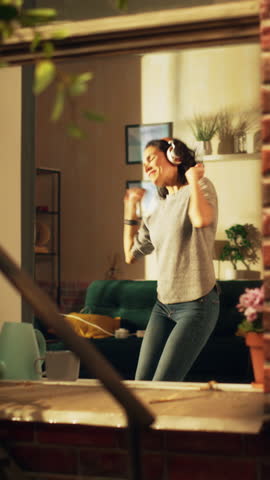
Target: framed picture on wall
point(150, 198)
point(137, 136)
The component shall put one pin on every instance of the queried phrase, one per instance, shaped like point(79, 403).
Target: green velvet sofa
point(225, 358)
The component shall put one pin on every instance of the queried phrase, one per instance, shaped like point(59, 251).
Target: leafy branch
point(13, 17)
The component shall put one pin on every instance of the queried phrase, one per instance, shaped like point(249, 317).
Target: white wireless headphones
point(171, 155)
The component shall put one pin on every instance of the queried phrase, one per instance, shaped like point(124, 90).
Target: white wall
point(10, 184)
point(177, 85)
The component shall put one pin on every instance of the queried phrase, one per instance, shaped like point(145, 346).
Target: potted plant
point(244, 122)
point(225, 132)
point(251, 305)
point(204, 127)
point(243, 244)
point(232, 129)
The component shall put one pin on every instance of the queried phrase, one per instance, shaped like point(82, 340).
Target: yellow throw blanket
point(91, 325)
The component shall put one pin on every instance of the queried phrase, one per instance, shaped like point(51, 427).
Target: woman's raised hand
point(194, 174)
point(134, 195)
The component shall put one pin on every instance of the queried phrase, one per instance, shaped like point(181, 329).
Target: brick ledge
point(191, 407)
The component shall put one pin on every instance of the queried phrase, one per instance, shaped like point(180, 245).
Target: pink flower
point(251, 303)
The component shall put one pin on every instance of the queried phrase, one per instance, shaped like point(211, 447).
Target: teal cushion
point(130, 300)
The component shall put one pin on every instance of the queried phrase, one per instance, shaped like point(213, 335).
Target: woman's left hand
point(194, 174)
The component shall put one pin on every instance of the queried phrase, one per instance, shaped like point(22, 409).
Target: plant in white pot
point(204, 127)
point(244, 241)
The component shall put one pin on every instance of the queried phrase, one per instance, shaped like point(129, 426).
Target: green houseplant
point(204, 127)
point(243, 244)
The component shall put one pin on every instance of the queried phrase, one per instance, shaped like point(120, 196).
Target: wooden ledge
point(181, 27)
point(186, 407)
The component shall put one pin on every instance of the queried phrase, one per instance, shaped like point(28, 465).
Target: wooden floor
point(193, 407)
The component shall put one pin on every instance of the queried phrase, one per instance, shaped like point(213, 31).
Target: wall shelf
point(232, 156)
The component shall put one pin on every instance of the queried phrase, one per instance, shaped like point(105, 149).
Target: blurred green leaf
point(45, 14)
point(58, 104)
point(44, 75)
point(5, 30)
point(60, 34)
point(77, 88)
point(48, 49)
point(35, 42)
point(17, 3)
point(78, 84)
point(75, 132)
point(8, 12)
point(37, 16)
point(121, 4)
point(93, 116)
point(85, 77)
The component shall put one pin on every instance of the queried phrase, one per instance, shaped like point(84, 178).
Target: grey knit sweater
point(184, 253)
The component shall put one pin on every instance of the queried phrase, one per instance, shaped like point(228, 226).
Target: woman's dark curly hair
point(187, 156)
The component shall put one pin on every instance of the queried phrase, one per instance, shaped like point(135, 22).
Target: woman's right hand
point(134, 195)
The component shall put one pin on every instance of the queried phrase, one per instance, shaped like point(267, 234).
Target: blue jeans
point(174, 337)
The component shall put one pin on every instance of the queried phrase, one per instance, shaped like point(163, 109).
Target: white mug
point(61, 365)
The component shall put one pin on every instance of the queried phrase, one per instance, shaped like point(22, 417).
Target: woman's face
point(159, 170)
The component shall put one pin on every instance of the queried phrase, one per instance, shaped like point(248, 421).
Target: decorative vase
point(240, 143)
point(199, 150)
point(202, 147)
point(207, 147)
point(226, 144)
point(255, 343)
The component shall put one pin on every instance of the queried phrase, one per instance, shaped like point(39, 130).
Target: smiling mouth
point(151, 173)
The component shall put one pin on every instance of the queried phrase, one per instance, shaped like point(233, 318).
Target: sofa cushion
point(130, 300)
